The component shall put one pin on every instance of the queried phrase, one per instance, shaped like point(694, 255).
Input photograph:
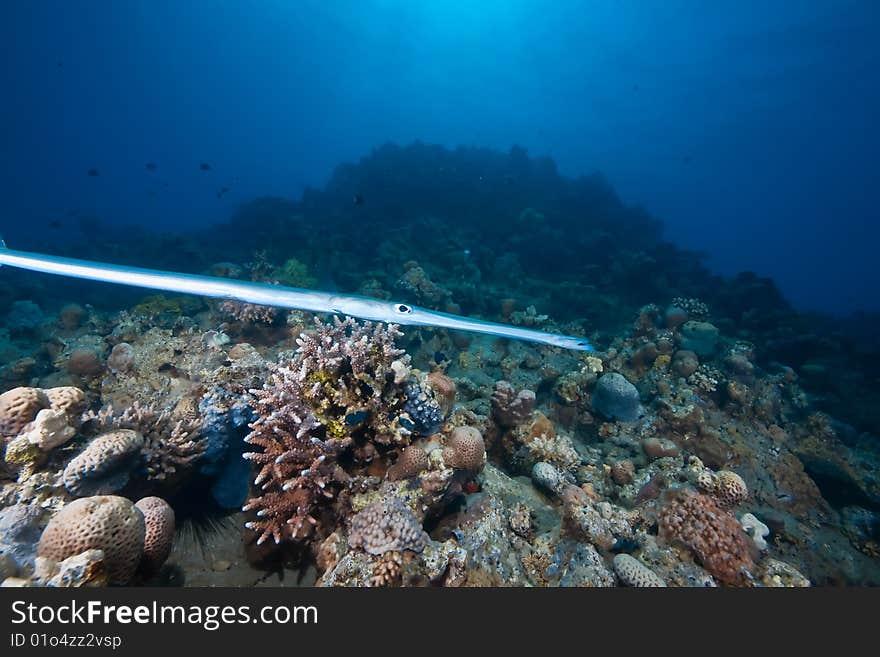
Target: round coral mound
point(730, 489)
point(103, 466)
point(159, 522)
point(18, 407)
point(410, 463)
point(108, 523)
point(465, 449)
point(389, 526)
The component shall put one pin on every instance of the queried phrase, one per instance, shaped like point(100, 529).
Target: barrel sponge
point(465, 449)
point(411, 462)
point(159, 522)
point(108, 523)
point(633, 572)
point(18, 407)
point(68, 400)
point(103, 466)
point(387, 526)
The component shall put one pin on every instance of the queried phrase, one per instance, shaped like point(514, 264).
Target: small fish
point(222, 191)
point(151, 192)
point(358, 199)
point(92, 172)
point(204, 166)
point(55, 224)
point(150, 166)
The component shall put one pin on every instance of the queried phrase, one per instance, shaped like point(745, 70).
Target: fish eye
point(403, 308)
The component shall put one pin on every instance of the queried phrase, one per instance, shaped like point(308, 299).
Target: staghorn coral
point(170, 445)
point(337, 393)
point(296, 465)
point(713, 535)
point(105, 465)
point(107, 523)
point(388, 571)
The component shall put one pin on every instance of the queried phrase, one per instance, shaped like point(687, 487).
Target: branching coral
point(336, 394)
point(170, 445)
point(249, 313)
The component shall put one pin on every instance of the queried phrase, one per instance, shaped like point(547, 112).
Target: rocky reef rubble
point(674, 456)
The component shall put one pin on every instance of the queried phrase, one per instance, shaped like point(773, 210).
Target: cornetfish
point(265, 294)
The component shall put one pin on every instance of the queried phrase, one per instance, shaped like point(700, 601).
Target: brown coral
point(107, 523)
point(714, 536)
point(730, 489)
point(159, 536)
point(170, 445)
point(511, 408)
point(388, 526)
point(465, 449)
point(68, 400)
point(104, 466)
point(444, 391)
point(411, 462)
point(18, 407)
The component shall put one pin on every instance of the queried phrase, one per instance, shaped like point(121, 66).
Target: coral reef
point(110, 524)
point(158, 532)
point(715, 436)
point(712, 534)
point(105, 465)
point(331, 397)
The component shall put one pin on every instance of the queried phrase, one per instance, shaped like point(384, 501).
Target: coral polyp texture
point(110, 524)
point(714, 437)
point(158, 532)
point(714, 536)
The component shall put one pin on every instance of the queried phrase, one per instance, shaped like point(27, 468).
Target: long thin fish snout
point(278, 296)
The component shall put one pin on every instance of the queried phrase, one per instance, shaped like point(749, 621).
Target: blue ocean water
point(690, 186)
point(749, 130)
